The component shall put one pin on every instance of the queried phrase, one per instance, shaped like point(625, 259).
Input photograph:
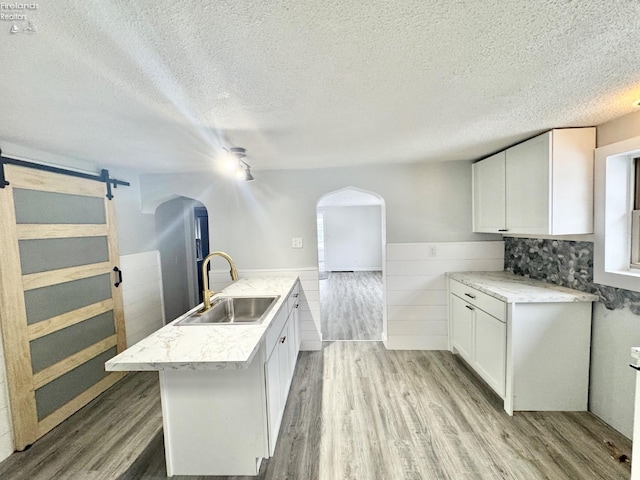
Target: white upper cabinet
point(544, 186)
point(489, 194)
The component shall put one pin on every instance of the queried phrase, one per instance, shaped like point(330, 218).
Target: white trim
point(635, 239)
point(612, 212)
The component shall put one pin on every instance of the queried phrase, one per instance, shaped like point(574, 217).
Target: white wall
point(612, 381)
point(614, 332)
point(136, 231)
point(353, 238)
point(416, 288)
point(142, 295)
point(254, 222)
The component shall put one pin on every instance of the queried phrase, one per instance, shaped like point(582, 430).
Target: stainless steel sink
point(233, 311)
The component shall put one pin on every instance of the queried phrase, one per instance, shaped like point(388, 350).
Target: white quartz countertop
point(512, 288)
point(201, 347)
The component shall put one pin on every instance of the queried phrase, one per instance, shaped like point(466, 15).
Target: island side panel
point(550, 354)
point(214, 420)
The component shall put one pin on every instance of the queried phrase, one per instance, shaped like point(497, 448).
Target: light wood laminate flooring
point(355, 411)
point(351, 306)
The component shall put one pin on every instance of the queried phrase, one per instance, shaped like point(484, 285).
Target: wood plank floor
point(355, 411)
point(351, 306)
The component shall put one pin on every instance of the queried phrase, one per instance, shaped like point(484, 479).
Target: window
point(617, 215)
point(635, 216)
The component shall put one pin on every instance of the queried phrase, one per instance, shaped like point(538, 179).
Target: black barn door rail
point(103, 177)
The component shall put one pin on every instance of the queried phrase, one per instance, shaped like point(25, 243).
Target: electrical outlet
point(296, 242)
point(432, 251)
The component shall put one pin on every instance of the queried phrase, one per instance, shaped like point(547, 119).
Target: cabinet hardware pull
point(469, 295)
point(119, 273)
point(470, 308)
point(296, 295)
point(634, 366)
point(503, 229)
point(282, 340)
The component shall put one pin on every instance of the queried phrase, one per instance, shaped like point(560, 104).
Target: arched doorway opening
point(351, 259)
point(182, 230)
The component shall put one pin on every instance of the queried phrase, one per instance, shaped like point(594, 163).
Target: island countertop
point(202, 347)
point(512, 288)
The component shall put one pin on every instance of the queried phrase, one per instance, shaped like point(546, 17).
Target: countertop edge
point(567, 295)
point(131, 365)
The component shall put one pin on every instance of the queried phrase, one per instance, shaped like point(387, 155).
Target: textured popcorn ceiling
point(162, 86)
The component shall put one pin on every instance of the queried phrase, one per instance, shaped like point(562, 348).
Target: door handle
point(634, 366)
point(119, 273)
point(283, 339)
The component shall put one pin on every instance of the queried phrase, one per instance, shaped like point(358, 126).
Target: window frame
point(614, 248)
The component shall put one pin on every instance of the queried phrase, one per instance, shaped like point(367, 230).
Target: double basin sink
point(233, 311)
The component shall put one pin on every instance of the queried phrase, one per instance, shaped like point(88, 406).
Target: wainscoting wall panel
point(416, 288)
point(309, 302)
point(142, 294)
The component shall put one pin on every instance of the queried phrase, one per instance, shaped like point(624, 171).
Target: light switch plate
point(296, 242)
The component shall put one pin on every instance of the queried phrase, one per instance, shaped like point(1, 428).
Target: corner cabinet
point(533, 352)
point(540, 186)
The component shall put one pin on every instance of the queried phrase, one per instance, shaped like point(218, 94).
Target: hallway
point(351, 306)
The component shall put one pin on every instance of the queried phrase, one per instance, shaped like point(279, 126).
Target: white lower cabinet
point(224, 422)
point(490, 350)
point(462, 328)
point(274, 397)
point(534, 354)
point(480, 339)
point(279, 368)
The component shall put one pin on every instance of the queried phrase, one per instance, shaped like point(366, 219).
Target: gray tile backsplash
point(566, 263)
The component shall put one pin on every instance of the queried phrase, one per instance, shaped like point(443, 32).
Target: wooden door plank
point(116, 292)
point(66, 365)
point(53, 324)
point(68, 409)
point(53, 277)
point(31, 179)
point(28, 231)
point(13, 320)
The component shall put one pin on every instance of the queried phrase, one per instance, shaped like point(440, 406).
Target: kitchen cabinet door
point(489, 210)
point(490, 350)
point(292, 342)
point(462, 317)
point(528, 185)
point(274, 397)
point(284, 345)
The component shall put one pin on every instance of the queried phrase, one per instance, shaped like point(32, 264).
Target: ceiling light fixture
point(235, 162)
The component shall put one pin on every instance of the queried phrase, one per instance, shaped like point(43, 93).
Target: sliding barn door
point(60, 306)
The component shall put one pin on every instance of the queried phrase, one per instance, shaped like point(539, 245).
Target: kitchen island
point(223, 387)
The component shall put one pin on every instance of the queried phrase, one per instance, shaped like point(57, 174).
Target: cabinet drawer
point(293, 299)
point(489, 304)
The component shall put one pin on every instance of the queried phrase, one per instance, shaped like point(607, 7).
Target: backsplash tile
point(566, 263)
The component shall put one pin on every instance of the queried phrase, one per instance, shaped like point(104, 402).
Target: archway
point(351, 262)
point(182, 231)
